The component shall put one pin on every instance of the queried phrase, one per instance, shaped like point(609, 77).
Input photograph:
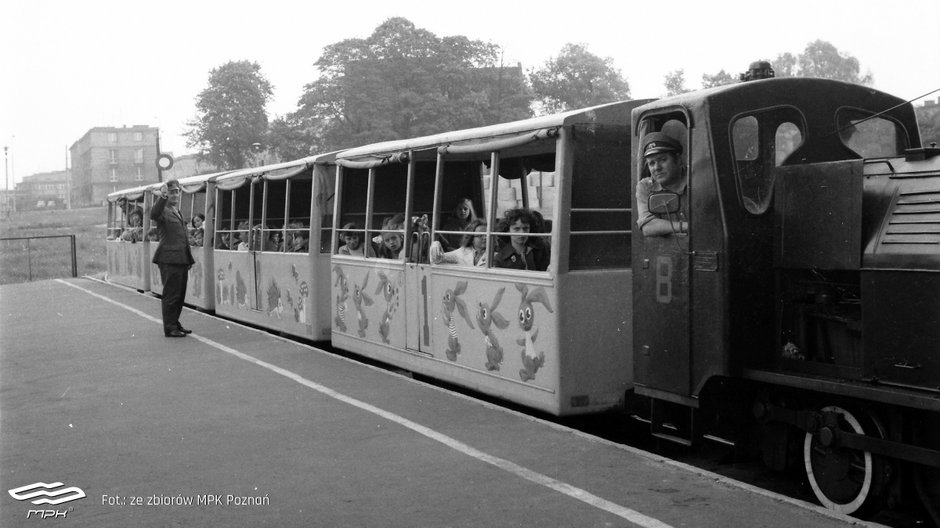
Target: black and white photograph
point(497, 264)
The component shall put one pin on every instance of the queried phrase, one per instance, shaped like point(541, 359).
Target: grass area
point(51, 258)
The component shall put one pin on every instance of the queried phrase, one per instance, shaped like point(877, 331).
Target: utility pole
point(6, 170)
point(68, 180)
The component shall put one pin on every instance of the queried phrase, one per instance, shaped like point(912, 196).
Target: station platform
point(232, 426)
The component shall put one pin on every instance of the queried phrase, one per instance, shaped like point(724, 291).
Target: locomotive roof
point(820, 97)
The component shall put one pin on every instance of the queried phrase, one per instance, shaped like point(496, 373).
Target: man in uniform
point(663, 157)
point(172, 256)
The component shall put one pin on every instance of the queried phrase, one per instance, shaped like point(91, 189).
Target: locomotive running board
point(673, 422)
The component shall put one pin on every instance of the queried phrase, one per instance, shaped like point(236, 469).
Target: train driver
point(663, 157)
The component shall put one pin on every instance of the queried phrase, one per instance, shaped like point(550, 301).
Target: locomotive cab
point(806, 289)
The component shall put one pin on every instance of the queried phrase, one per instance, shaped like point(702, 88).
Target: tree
point(230, 114)
point(291, 138)
point(823, 60)
point(784, 65)
point(577, 78)
point(402, 82)
point(675, 83)
point(719, 79)
point(928, 121)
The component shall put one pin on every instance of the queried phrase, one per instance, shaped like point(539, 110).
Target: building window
point(138, 136)
point(113, 174)
point(112, 155)
point(112, 137)
point(140, 174)
point(139, 156)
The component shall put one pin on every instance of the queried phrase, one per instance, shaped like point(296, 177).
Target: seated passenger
point(197, 233)
point(224, 241)
point(299, 242)
point(392, 241)
point(472, 250)
point(353, 242)
point(154, 234)
point(662, 156)
point(244, 234)
point(459, 219)
point(522, 251)
point(134, 230)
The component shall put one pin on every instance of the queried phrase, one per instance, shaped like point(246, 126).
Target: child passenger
point(392, 240)
point(353, 242)
point(472, 250)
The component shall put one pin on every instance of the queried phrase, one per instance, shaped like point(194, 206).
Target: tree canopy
point(577, 78)
point(675, 82)
point(403, 81)
point(230, 114)
point(821, 59)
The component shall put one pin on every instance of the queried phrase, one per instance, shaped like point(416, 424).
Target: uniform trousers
point(174, 279)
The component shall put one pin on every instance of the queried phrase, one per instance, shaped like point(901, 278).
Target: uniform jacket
point(174, 241)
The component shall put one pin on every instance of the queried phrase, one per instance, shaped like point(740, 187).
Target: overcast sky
point(68, 66)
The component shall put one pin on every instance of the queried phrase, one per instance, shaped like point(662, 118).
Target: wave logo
point(41, 489)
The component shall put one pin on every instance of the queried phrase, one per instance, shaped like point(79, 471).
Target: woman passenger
point(522, 251)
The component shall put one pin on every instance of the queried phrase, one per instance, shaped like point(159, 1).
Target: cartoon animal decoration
point(359, 298)
point(241, 290)
point(486, 318)
point(391, 304)
point(532, 360)
point(341, 299)
point(452, 300)
point(222, 287)
point(197, 281)
point(275, 306)
point(300, 311)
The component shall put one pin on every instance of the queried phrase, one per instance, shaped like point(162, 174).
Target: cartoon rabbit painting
point(391, 304)
point(532, 361)
point(341, 299)
point(451, 301)
point(359, 298)
point(486, 318)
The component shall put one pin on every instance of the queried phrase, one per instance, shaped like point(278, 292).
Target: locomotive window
point(744, 135)
point(760, 142)
point(869, 137)
point(787, 138)
point(600, 199)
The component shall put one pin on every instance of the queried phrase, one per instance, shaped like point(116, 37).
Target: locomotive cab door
point(661, 276)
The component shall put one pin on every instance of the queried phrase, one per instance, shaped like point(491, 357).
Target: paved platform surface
point(236, 427)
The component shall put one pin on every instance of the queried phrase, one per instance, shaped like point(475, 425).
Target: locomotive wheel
point(845, 480)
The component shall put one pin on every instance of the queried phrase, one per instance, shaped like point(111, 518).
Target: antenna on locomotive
point(758, 70)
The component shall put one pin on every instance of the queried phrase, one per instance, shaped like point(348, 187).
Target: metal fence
point(32, 258)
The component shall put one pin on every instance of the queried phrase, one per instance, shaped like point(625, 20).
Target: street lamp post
point(256, 148)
